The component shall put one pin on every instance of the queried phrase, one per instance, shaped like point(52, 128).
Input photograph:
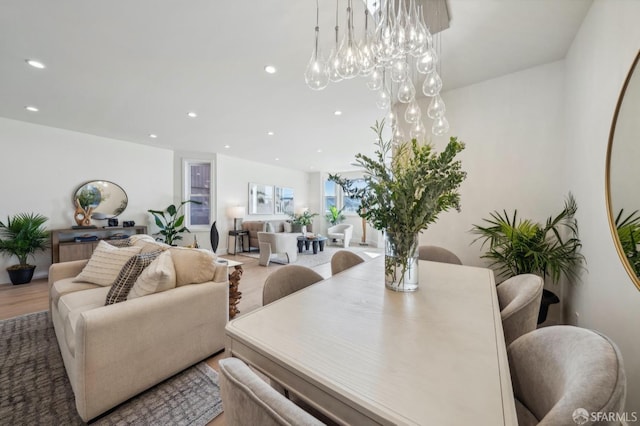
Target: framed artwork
point(284, 200)
point(260, 199)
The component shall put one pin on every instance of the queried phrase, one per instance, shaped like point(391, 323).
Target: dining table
point(361, 354)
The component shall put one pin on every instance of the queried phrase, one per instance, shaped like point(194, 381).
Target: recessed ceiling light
point(31, 108)
point(35, 64)
point(227, 146)
point(319, 150)
point(270, 69)
point(338, 112)
point(277, 159)
point(153, 136)
point(270, 133)
point(192, 114)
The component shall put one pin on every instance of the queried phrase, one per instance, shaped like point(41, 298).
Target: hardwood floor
point(33, 297)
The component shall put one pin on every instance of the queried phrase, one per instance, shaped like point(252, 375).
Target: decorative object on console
point(22, 236)
point(525, 247)
point(170, 221)
point(112, 222)
point(237, 214)
point(403, 195)
point(100, 200)
point(128, 223)
point(260, 199)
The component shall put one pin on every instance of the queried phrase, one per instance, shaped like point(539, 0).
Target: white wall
point(42, 167)
point(232, 185)
point(512, 128)
point(596, 67)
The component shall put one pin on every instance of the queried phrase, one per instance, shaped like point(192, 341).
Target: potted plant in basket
point(21, 236)
point(171, 222)
point(301, 221)
point(406, 187)
point(522, 246)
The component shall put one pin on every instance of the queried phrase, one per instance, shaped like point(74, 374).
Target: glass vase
point(401, 261)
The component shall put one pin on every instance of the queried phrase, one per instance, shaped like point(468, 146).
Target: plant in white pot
point(22, 236)
point(407, 185)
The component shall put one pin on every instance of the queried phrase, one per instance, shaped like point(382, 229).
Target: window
point(330, 195)
point(197, 179)
point(351, 205)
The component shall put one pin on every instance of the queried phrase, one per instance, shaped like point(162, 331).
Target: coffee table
point(315, 242)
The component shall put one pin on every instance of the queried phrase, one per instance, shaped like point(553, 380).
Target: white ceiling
point(125, 69)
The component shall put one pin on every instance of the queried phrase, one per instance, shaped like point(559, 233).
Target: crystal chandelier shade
point(395, 48)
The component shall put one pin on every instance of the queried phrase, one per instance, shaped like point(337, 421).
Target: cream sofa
point(112, 353)
point(273, 226)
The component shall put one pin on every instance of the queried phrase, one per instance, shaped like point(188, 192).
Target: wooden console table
point(64, 247)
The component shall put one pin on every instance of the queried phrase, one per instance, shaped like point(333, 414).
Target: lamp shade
point(236, 212)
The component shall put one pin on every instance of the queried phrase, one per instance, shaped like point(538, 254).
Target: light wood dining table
point(362, 354)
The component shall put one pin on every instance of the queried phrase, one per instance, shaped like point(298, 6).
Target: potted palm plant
point(22, 236)
point(522, 246)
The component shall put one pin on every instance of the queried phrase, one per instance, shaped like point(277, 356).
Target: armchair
point(277, 243)
point(342, 232)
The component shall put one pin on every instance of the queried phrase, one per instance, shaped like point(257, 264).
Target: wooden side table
point(234, 283)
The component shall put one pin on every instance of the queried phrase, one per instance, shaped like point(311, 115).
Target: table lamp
point(236, 213)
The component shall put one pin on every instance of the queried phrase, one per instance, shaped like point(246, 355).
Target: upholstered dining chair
point(438, 254)
point(344, 259)
point(519, 300)
point(559, 369)
point(287, 280)
point(248, 400)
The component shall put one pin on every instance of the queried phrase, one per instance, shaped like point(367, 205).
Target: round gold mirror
point(102, 198)
point(623, 197)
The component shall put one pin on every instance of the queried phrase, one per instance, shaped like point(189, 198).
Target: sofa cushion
point(66, 285)
point(128, 276)
point(92, 298)
point(105, 264)
point(193, 266)
point(269, 227)
point(157, 277)
point(147, 243)
point(287, 227)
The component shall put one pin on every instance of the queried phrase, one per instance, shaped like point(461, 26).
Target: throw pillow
point(105, 264)
point(141, 237)
point(119, 242)
point(193, 266)
point(128, 276)
point(157, 277)
point(287, 227)
point(269, 227)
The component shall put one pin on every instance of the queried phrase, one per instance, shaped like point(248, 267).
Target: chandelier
point(395, 51)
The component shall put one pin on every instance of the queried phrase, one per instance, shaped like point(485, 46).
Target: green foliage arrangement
point(171, 222)
point(23, 235)
point(628, 229)
point(305, 218)
point(521, 246)
point(407, 186)
point(334, 216)
point(406, 192)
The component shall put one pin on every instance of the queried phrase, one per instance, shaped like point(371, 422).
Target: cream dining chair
point(519, 300)
point(438, 254)
point(248, 400)
point(561, 374)
point(344, 259)
point(286, 280)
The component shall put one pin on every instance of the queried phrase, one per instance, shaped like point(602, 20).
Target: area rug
point(34, 388)
point(308, 259)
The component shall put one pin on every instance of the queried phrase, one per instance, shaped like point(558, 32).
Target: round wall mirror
point(623, 175)
point(106, 198)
